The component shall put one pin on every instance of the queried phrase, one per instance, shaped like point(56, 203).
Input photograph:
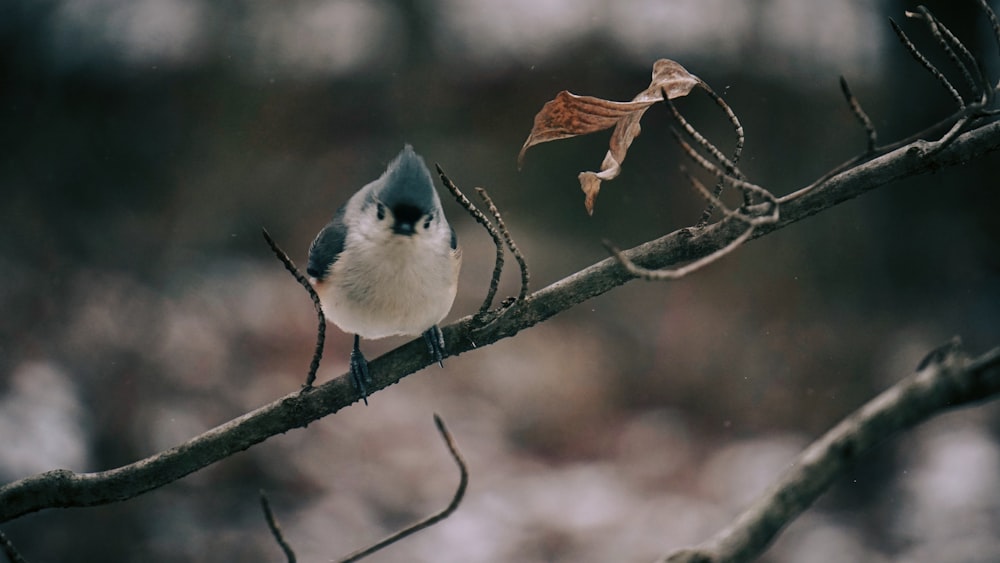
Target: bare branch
point(304, 282)
point(463, 483)
point(63, 488)
point(949, 43)
point(522, 264)
point(13, 556)
point(770, 216)
point(677, 273)
point(859, 113)
point(728, 165)
point(928, 66)
point(748, 188)
point(272, 524)
point(949, 380)
point(480, 218)
point(994, 22)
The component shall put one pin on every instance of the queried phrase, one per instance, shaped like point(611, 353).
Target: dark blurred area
point(144, 144)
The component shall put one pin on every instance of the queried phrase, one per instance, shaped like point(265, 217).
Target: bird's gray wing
point(327, 246)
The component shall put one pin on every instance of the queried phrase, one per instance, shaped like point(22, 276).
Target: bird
point(387, 263)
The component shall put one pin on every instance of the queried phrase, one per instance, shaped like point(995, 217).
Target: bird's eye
point(380, 211)
point(427, 223)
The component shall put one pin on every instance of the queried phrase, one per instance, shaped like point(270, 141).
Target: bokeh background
point(144, 143)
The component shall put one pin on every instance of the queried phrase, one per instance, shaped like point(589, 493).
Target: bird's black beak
point(405, 228)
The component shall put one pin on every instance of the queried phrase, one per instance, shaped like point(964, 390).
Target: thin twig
point(935, 129)
point(984, 87)
point(948, 43)
point(731, 176)
point(272, 524)
point(926, 63)
point(304, 282)
point(746, 187)
point(994, 22)
point(731, 115)
point(728, 164)
point(931, 147)
point(951, 125)
point(947, 380)
point(753, 220)
point(737, 128)
point(13, 556)
point(860, 114)
point(676, 273)
point(522, 264)
point(463, 483)
point(480, 218)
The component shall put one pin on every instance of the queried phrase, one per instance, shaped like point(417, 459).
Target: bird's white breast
point(408, 288)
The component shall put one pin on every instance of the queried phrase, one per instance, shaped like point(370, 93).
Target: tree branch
point(63, 488)
point(944, 383)
point(456, 499)
point(272, 524)
point(8, 549)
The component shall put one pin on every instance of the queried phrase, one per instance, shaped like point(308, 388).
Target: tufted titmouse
point(387, 263)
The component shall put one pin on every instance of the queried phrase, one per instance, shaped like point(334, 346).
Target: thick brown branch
point(62, 488)
point(945, 383)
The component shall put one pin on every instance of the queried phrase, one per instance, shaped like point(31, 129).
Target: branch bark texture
point(63, 488)
point(945, 383)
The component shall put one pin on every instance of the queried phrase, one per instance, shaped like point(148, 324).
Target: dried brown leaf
point(569, 115)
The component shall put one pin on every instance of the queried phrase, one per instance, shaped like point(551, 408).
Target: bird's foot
point(435, 344)
point(360, 376)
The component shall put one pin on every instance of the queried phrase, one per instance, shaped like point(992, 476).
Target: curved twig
point(994, 23)
point(729, 165)
point(509, 240)
point(860, 114)
point(771, 214)
point(272, 524)
point(928, 66)
point(748, 188)
point(676, 273)
point(463, 483)
point(304, 282)
point(950, 44)
point(948, 380)
point(480, 218)
point(8, 549)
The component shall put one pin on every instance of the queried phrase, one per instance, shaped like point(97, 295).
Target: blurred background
point(145, 143)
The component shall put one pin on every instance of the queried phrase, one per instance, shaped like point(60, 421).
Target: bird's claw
point(435, 344)
point(360, 376)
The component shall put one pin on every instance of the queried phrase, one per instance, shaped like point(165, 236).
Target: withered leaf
point(569, 115)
